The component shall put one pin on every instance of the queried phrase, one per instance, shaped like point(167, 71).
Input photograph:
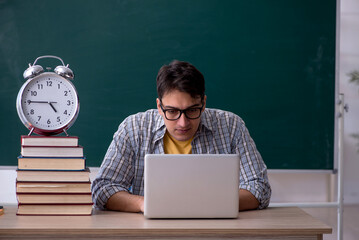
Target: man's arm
point(254, 184)
point(247, 201)
point(125, 202)
point(116, 171)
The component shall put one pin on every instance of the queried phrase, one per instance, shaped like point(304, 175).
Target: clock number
point(39, 117)
point(58, 119)
point(58, 86)
point(40, 86)
point(32, 111)
point(68, 102)
point(65, 112)
point(33, 93)
point(48, 121)
point(49, 83)
point(65, 93)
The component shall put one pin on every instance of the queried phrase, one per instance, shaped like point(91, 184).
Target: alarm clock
point(48, 103)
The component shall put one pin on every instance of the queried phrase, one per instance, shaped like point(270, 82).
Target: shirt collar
point(160, 123)
point(159, 129)
point(206, 124)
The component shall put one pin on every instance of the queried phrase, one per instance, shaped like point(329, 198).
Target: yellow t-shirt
point(173, 146)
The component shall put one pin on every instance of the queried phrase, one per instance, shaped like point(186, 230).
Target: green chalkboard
point(271, 62)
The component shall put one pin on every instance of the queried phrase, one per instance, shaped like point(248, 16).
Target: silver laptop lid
point(191, 185)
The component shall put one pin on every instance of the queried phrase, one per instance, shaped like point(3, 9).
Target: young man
point(180, 124)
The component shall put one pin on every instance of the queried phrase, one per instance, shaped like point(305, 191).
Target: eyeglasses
point(173, 114)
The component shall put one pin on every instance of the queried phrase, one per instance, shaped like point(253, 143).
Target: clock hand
point(52, 106)
point(29, 101)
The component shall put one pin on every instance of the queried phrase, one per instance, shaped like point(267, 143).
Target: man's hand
point(125, 202)
point(247, 201)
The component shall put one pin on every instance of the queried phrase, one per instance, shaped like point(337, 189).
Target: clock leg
point(65, 132)
point(31, 130)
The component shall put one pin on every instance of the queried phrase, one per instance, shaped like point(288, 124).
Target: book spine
point(55, 204)
point(52, 140)
point(50, 193)
point(39, 182)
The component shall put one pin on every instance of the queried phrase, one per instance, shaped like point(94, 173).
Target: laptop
point(191, 186)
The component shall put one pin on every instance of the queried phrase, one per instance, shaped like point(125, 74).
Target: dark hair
point(181, 76)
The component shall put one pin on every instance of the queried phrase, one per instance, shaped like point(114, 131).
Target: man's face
point(183, 128)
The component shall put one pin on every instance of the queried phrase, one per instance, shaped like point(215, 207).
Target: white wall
point(293, 186)
point(349, 61)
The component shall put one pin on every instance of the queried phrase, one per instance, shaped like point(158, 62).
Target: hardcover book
point(51, 163)
point(53, 176)
point(55, 209)
point(52, 151)
point(49, 140)
point(53, 198)
point(53, 187)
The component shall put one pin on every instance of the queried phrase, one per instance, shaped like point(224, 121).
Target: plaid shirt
point(219, 132)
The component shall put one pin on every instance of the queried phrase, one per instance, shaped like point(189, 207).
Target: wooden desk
point(271, 223)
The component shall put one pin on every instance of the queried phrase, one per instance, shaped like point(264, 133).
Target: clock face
point(49, 103)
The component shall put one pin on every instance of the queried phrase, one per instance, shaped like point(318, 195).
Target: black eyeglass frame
point(181, 111)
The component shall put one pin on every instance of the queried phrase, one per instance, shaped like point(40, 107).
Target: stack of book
point(52, 178)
